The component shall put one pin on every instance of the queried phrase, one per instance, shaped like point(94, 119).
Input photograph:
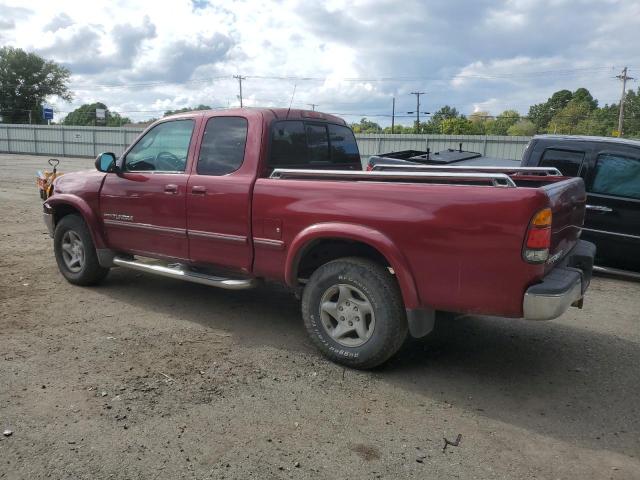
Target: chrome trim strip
point(495, 179)
point(542, 171)
point(145, 226)
point(624, 235)
point(225, 237)
point(187, 275)
point(268, 242)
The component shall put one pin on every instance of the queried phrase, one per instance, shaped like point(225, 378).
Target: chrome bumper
point(48, 221)
point(547, 306)
point(561, 288)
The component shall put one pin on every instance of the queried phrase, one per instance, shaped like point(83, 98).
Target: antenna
point(291, 102)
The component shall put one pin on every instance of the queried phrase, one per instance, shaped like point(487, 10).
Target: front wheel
point(353, 311)
point(75, 253)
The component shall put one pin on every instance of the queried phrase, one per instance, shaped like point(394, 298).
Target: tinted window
point(222, 149)
point(344, 148)
point(566, 161)
point(163, 148)
point(311, 145)
point(617, 175)
point(288, 144)
point(318, 142)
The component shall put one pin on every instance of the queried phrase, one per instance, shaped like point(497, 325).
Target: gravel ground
point(146, 377)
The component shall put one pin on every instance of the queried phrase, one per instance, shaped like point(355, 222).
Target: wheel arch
point(62, 205)
point(342, 240)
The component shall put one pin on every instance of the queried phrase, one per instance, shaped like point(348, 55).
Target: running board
point(187, 275)
point(617, 272)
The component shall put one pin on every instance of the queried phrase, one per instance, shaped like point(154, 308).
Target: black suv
point(610, 168)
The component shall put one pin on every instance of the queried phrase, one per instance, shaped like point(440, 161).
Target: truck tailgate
point(567, 201)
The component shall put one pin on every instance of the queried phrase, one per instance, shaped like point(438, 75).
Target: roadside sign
point(47, 113)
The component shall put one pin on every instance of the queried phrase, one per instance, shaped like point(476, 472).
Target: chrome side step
point(616, 272)
point(187, 275)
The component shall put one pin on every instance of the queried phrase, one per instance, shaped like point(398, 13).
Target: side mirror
point(106, 162)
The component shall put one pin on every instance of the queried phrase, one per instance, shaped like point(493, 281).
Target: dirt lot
point(146, 377)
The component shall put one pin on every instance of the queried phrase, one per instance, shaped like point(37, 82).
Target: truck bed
point(462, 230)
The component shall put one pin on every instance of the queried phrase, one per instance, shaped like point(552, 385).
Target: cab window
point(567, 161)
point(164, 148)
point(222, 149)
point(617, 175)
point(299, 144)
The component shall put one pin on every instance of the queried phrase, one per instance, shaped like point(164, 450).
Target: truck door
point(219, 194)
point(612, 219)
point(143, 206)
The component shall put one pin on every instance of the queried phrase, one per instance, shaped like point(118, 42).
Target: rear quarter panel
point(461, 244)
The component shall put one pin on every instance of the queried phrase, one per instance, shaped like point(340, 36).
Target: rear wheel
point(75, 253)
point(353, 312)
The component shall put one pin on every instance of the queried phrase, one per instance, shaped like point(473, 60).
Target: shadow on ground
point(547, 377)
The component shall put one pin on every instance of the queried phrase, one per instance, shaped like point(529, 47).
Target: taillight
point(369, 167)
point(538, 241)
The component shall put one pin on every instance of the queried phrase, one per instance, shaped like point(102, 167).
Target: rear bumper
point(563, 287)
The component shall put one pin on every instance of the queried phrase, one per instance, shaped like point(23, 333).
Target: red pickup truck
point(228, 198)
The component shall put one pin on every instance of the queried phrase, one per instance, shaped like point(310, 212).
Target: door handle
point(171, 188)
point(599, 208)
point(198, 190)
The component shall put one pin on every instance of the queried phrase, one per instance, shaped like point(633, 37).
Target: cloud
point(80, 47)
point(178, 60)
point(481, 54)
point(58, 22)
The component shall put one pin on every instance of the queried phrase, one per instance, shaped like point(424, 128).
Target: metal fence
point(58, 140)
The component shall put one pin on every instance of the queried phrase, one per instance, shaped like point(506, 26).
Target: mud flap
point(421, 322)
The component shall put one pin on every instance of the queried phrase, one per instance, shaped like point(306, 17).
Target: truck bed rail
point(445, 177)
point(536, 171)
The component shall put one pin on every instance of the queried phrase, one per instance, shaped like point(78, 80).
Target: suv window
point(222, 149)
point(164, 148)
point(568, 162)
point(313, 145)
point(617, 175)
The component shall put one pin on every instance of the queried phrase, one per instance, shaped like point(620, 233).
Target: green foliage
point(458, 126)
point(26, 80)
point(86, 115)
point(503, 123)
point(367, 126)
point(522, 127)
point(188, 109)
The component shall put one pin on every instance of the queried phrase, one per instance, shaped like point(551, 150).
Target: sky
point(350, 58)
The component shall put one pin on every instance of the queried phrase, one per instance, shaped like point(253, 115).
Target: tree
point(457, 126)
point(86, 115)
point(187, 109)
point(542, 113)
point(26, 81)
point(366, 126)
point(434, 123)
point(503, 123)
point(522, 127)
point(566, 120)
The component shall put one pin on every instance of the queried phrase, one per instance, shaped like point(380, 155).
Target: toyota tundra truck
point(232, 198)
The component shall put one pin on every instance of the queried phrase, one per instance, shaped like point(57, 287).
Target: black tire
point(383, 294)
point(90, 272)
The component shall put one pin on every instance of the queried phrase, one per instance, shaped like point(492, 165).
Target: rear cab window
point(569, 162)
point(314, 145)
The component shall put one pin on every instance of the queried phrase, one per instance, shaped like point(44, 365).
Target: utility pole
point(313, 106)
point(240, 78)
point(417, 94)
point(393, 114)
point(624, 77)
